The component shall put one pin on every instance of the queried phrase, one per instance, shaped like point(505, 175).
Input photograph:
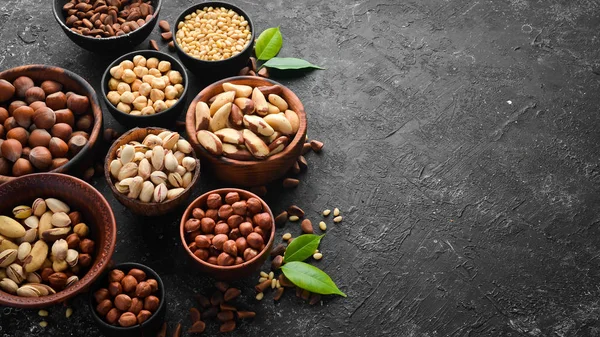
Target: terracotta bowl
point(136, 206)
point(249, 173)
point(80, 196)
point(226, 272)
point(70, 82)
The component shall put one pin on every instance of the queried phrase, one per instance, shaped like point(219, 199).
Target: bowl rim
point(113, 149)
point(125, 265)
point(227, 5)
point(191, 129)
point(165, 57)
point(188, 211)
point(92, 96)
point(65, 294)
point(64, 26)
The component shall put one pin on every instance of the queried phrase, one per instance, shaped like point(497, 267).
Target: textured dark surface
point(461, 146)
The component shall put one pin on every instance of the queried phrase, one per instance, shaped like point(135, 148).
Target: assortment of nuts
point(41, 127)
point(228, 230)
point(246, 123)
point(213, 33)
point(144, 86)
point(43, 248)
point(156, 170)
point(106, 18)
point(129, 299)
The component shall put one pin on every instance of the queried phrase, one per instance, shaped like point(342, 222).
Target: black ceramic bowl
point(107, 45)
point(147, 328)
point(215, 70)
point(163, 118)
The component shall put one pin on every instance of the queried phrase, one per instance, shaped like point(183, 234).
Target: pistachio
point(23, 251)
point(39, 207)
point(72, 257)
point(147, 191)
point(170, 162)
point(174, 193)
point(135, 187)
point(54, 234)
point(42, 289)
point(10, 228)
point(127, 153)
point(7, 257)
point(30, 236)
point(164, 134)
point(152, 140)
point(38, 254)
point(34, 278)
point(28, 291)
point(175, 179)
point(59, 249)
point(158, 177)
point(144, 169)
point(189, 163)
point(158, 156)
point(186, 180)
point(121, 188)
point(128, 170)
point(9, 286)
point(16, 273)
point(72, 280)
point(184, 146)
point(181, 170)
point(45, 223)
point(32, 222)
point(114, 167)
point(60, 219)
point(22, 212)
point(170, 140)
point(160, 192)
point(56, 205)
point(60, 265)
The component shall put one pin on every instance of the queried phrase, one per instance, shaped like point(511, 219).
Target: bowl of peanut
point(214, 39)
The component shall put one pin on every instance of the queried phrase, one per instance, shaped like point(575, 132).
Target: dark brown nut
point(261, 191)
point(85, 260)
point(23, 116)
point(14, 105)
point(235, 234)
point(281, 219)
point(207, 225)
point(255, 240)
point(230, 248)
point(65, 116)
point(197, 326)
point(316, 145)
point(40, 157)
point(10, 123)
point(219, 240)
point(314, 298)
point(271, 89)
point(295, 210)
point(203, 301)
point(115, 288)
point(213, 251)
point(263, 220)
point(216, 298)
point(225, 259)
point(305, 148)
point(51, 87)
point(72, 241)
point(122, 302)
point(231, 294)
point(278, 294)
point(212, 213)
point(249, 254)
point(75, 217)
point(239, 207)
point(232, 197)
point(225, 316)
point(113, 316)
point(198, 213)
point(306, 226)
point(192, 225)
point(264, 285)
point(151, 303)
point(34, 94)
point(302, 163)
point(104, 307)
point(305, 294)
point(254, 205)
point(261, 232)
point(143, 316)
point(153, 284)
point(56, 101)
point(62, 131)
point(222, 286)
point(100, 294)
point(225, 211)
point(202, 254)
point(278, 250)
point(116, 275)
point(21, 167)
point(58, 280)
point(290, 182)
point(139, 274)
point(164, 25)
point(153, 45)
point(241, 244)
point(58, 148)
point(295, 168)
point(194, 315)
point(136, 305)
point(222, 228)
point(127, 319)
point(163, 330)
point(246, 314)
point(214, 201)
point(78, 104)
point(202, 241)
point(11, 149)
point(227, 326)
point(212, 260)
point(129, 283)
point(246, 228)
point(143, 289)
point(7, 90)
point(85, 123)
point(38, 137)
point(5, 165)
point(19, 134)
point(87, 246)
point(277, 262)
point(234, 221)
point(76, 144)
point(284, 282)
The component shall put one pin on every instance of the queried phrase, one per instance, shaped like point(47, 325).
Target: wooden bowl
point(136, 206)
point(227, 273)
point(80, 196)
point(248, 173)
point(70, 82)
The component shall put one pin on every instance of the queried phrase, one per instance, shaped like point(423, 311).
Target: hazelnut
point(65, 116)
point(239, 207)
point(192, 225)
point(222, 228)
point(81, 229)
point(76, 143)
point(241, 244)
point(225, 211)
point(81, 133)
point(34, 94)
point(249, 254)
point(225, 259)
point(85, 260)
point(143, 289)
point(139, 274)
point(5, 166)
point(263, 220)
point(19, 134)
point(21, 167)
point(41, 158)
point(62, 131)
point(39, 137)
point(14, 105)
point(255, 240)
point(73, 241)
point(143, 316)
point(87, 246)
point(235, 234)
point(198, 213)
point(254, 205)
point(58, 162)
point(202, 241)
point(213, 251)
point(78, 104)
point(219, 240)
point(36, 105)
point(25, 152)
point(116, 275)
point(46, 272)
point(75, 217)
point(246, 228)
point(239, 260)
point(259, 231)
point(232, 197)
point(3, 115)
point(115, 288)
point(127, 319)
point(122, 302)
point(7, 90)
point(10, 123)
point(230, 247)
point(207, 224)
point(202, 254)
point(113, 316)
point(101, 295)
point(57, 280)
point(129, 283)
point(136, 305)
point(212, 260)
point(151, 303)
point(56, 101)
point(50, 87)
point(44, 118)
point(58, 148)
point(214, 201)
point(85, 122)
point(23, 115)
point(104, 307)
point(235, 220)
point(212, 213)
point(22, 84)
point(153, 284)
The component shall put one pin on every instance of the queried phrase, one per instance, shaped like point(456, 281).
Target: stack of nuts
point(37, 126)
point(229, 230)
point(44, 249)
point(129, 299)
point(106, 18)
point(155, 170)
point(144, 86)
point(213, 34)
point(241, 124)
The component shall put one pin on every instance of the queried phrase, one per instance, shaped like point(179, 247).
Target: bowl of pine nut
point(214, 39)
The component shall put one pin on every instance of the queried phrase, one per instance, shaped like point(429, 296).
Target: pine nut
point(336, 212)
point(260, 296)
point(43, 313)
point(293, 218)
point(69, 312)
point(262, 279)
point(43, 324)
point(271, 275)
point(317, 256)
point(263, 274)
point(273, 283)
point(322, 225)
point(286, 236)
point(326, 212)
point(337, 219)
point(277, 284)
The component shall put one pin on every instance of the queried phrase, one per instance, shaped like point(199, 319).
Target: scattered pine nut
point(273, 283)
point(286, 236)
point(336, 212)
point(277, 284)
point(322, 225)
point(271, 275)
point(316, 251)
point(260, 296)
point(337, 219)
point(43, 324)
point(69, 312)
point(262, 279)
point(326, 212)
point(317, 256)
point(293, 218)
point(43, 313)
point(263, 274)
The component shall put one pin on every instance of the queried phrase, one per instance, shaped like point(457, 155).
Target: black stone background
point(461, 144)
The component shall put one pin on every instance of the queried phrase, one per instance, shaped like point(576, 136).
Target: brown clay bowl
point(248, 173)
point(136, 206)
point(70, 82)
point(80, 196)
point(234, 272)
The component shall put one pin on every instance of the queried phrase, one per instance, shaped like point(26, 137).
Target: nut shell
point(11, 149)
point(44, 118)
point(58, 148)
point(40, 157)
point(7, 90)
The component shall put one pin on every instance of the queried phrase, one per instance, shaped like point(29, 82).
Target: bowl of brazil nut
point(228, 232)
point(107, 26)
point(249, 130)
point(214, 39)
point(57, 235)
point(128, 300)
point(50, 120)
point(145, 88)
point(151, 171)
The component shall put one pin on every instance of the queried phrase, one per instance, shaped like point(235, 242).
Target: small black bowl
point(107, 45)
point(215, 70)
point(164, 118)
point(147, 328)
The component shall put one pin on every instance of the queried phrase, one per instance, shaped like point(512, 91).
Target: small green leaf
point(310, 278)
point(268, 43)
point(285, 63)
point(302, 247)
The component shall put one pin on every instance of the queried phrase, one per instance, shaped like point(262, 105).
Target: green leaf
point(310, 278)
point(302, 247)
point(268, 44)
point(285, 63)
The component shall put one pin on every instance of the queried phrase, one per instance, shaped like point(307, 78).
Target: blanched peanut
point(127, 64)
point(152, 62)
point(112, 84)
point(113, 97)
point(128, 76)
point(164, 66)
point(158, 83)
point(127, 97)
point(156, 95)
point(123, 87)
point(139, 60)
point(159, 106)
point(175, 77)
point(140, 102)
point(154, 72)
point(145, 89)
point(171, 92)
point(123, 107)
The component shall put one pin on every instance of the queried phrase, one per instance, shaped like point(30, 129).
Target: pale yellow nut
point(286, 236)
point(43, 324)
point(326, 212)
point(145, 89)
point(175, 77)
point(123, 87)
point(337, 219)
point(43, 313)
point(156, 95)
point(69, 312)
point(140, 71)
point(164, 66)
point(147, 111)
point(113, 83)
point(159, 106)
point(322, 225)
point(113, 97)
point(260, 296)
point(154, 72)
point(139, 60)
point(135, 86)
point(158, 83)
point(116, 72)
point(123, 107)
point(170, 92)
point(140, 103)
point(293, 218)
point(180, 88)
point(152, 62)
point(336, 211)
point(126, 64)
point(128, 76)
point(170, 102)
point(317, 256)
point(127, 97)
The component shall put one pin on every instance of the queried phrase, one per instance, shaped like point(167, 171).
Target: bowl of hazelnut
point(145, 88)
point(50, 120)
point(228, 232)
point(57, 235)
point(128, 300)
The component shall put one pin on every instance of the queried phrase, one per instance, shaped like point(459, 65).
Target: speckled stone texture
point(461, 144)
